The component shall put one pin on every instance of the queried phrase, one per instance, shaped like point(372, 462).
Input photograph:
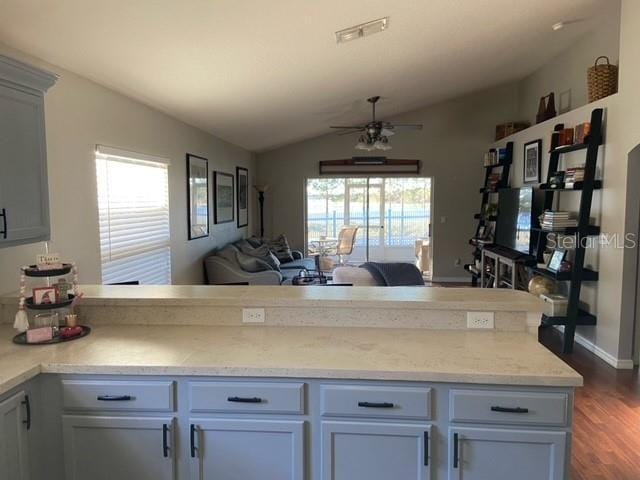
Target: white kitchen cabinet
point(24, 194)
point(15, 422)
point(248, 449)
point(122, 448)
point(375, 451)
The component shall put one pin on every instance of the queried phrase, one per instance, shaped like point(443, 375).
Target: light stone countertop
point(431, 298)
point(500, 358)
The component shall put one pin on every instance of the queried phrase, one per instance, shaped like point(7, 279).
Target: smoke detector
point(362, 30)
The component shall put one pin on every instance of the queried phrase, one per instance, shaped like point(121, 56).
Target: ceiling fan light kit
point(375, 134)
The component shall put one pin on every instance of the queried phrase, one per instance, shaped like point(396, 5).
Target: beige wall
point(450, 147)
point(567, 72)
point(81, 114)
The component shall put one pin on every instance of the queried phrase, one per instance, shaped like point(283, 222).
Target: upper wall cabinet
point(24, 194)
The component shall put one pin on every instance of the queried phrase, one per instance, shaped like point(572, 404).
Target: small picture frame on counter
point(45, 295)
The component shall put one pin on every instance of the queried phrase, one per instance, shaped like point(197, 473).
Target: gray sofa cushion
point(228, 252)
point(281, 249)
point(252, 264)
point(262, 252)
point(255, 242)
point(308, 263)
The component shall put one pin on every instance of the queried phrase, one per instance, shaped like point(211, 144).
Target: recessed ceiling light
point(557, 26)
point(362, 30)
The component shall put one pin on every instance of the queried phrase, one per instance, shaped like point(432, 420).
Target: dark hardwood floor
point(606, 425)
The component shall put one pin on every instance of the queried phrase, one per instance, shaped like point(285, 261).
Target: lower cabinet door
point(486, 453)
point(119, 448)
point(375, 451)
point(14, 449)
point(246, 449)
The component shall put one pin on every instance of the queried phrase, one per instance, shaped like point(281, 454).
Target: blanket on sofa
point(394, 274)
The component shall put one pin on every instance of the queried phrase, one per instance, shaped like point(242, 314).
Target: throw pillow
point(255, 242)
point(228, 253)
point(264, 254)
point(281, 249)
point(252, 264)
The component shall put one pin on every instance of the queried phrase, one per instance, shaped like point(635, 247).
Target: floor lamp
point(261, 189)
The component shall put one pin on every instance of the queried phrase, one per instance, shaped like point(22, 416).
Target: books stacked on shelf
point(495, 156)
point(557, 220)
point(493, 181)
point(573, 175)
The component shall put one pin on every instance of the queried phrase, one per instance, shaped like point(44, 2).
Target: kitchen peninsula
point(335, 384)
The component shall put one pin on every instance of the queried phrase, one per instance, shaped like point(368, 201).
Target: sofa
point(225, 265)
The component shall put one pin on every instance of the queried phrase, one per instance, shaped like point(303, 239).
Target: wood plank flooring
point(606, 442)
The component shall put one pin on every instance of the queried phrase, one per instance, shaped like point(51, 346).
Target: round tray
point(32, 271)
point(21, 338)
point(28, 302)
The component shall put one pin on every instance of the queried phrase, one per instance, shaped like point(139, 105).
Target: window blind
point(133, 210)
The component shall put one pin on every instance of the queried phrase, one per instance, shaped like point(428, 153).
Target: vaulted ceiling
point(263, 73)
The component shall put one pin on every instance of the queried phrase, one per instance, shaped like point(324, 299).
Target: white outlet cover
point(481, 320)
point(253, 315)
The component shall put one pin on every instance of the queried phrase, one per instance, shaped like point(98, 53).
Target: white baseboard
point(451, 279)
point(618, 363)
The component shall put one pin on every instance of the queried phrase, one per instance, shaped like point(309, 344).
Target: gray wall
point(80, 114)
point(567, 72)
point(450, 147)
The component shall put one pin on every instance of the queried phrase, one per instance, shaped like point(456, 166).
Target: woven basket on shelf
point(602, 80)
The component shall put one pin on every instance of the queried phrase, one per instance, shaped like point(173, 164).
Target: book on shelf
point(557, 220)
point(573, 175)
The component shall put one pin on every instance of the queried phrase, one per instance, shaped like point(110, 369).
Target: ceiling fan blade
point(387, 132)
point(349, 132)
point(343, 127)
point(407, 126)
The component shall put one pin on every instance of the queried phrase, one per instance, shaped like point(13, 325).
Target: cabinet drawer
point(247, 397)
point(118, 395)
point(508, 407)
point(373, 401)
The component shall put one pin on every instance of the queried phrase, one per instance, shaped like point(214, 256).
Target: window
point(133, 209)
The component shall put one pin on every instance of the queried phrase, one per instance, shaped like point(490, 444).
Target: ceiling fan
point(375, 134)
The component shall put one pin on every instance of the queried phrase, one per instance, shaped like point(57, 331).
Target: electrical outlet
point(253, 315)
point(480, 320)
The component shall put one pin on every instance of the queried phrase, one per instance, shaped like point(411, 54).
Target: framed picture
point(532, 161)
point(198, 196)
point(222, 197)
point(242, 200)
point(45, 295)
point(556, 259)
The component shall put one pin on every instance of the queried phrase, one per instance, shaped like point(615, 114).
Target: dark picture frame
point(532, 161)
point(197, 197)
point(242, 197)
point(223, 198)
point(555, 262)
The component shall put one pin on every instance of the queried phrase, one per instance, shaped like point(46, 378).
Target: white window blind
point(133, 208)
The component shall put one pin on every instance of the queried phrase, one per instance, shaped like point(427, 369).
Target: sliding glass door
point(393, 215)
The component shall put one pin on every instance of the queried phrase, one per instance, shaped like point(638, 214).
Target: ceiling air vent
point(362, 30)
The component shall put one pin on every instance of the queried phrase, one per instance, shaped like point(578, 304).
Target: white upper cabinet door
point(24, 193)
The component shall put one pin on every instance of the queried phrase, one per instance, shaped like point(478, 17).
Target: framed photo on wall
point(532, 161)
point(198, 196)
point(242, 200)
point(222, 197)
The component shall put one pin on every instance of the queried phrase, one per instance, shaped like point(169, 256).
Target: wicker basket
point(602, 80)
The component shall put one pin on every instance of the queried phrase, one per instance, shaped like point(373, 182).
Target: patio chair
point(345, 243)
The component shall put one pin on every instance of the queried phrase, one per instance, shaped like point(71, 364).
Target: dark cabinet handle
point(3, 214)
point(27, 407)
point(426, 449)
point(509, 409)
point(165, 444)
point(376, 404)
point(455, 450)
point(244, 399)
point(192, 440)
point(115, 398)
